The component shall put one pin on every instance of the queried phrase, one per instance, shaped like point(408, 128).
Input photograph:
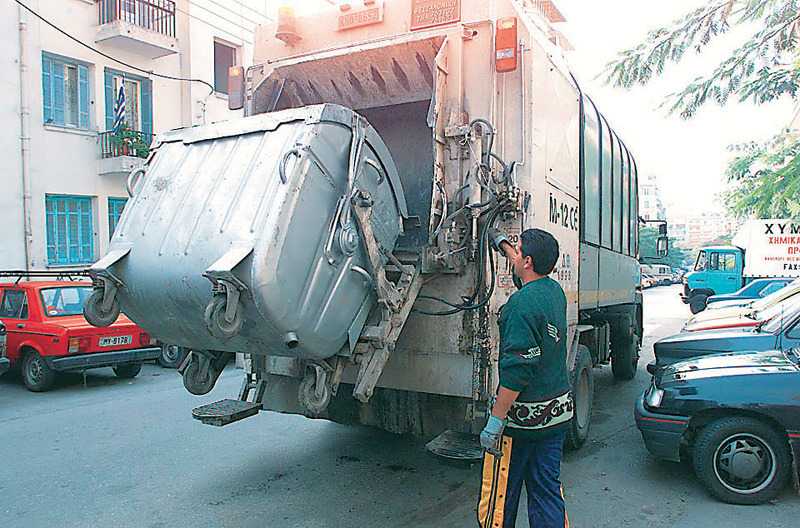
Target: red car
point(47, 333)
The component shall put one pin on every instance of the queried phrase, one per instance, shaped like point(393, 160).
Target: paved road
point(127, 454)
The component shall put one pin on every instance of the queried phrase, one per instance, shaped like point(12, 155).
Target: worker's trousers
point(535, 463)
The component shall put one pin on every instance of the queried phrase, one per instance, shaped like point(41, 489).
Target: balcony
point(122, 152)
point(143, 27)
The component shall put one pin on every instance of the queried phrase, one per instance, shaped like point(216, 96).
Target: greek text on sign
point(362, 17)
point(430, 13)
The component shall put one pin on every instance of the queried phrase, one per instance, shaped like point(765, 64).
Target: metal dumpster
point(240, 236)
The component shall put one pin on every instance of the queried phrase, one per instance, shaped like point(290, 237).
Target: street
point(127, 453)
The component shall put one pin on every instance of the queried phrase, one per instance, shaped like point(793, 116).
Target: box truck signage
point(430, 13)
point(772, 247)
point(371, 13)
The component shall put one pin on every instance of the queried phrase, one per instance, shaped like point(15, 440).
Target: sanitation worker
point(524, 435)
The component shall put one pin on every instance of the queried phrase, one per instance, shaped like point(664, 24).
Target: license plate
point(116, 341)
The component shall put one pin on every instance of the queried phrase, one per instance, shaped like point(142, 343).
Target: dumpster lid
point(331, 113)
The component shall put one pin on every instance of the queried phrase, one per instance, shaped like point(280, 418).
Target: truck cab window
point(700, 265)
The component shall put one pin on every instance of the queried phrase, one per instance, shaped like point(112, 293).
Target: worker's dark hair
point(542, 248)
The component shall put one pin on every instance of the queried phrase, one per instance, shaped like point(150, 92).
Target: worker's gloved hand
point(496, 237)
point(490, 436)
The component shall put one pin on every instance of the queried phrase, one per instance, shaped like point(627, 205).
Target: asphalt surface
point(118, 453)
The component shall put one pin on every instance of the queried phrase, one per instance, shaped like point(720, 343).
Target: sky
point(688, 158)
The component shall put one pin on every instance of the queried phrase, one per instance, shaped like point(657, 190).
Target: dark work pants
point(537, 464)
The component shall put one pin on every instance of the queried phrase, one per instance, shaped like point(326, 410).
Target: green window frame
point(70, 233)
point(65, 92)
point(115, 208)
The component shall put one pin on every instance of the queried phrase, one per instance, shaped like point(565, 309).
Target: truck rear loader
point(337, 234)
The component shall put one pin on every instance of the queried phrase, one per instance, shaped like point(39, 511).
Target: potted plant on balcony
point(129, 142)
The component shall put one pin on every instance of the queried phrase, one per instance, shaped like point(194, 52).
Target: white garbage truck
point(337, 234)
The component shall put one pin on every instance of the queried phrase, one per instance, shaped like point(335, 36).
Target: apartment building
point(64, 169)
point(651, 206)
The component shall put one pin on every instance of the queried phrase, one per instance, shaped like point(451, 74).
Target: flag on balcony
point(119, 109)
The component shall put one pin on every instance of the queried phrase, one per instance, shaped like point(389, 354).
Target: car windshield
point(701, 261)
point(787, 292)
point(67, 300)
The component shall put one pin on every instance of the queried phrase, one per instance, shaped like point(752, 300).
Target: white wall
point(67, 161)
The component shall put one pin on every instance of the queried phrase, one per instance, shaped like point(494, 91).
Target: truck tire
point(698, 302)
point(172, 356)
point(624, 351)
point(761, 456)
point(36, 373)
point(581, 381)
point(129, 371)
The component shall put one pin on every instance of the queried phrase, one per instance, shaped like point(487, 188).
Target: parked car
point(703, 320)
point(735, 416)
point(47, 334)
point(757, 289)
point(5, 364)
point(779, 333)
point(749, 319)
point(647, 281)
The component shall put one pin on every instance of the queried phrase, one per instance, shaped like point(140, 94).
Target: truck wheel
point(697, 303)
point(36, 373)
point(625, 352)
point(129, 371)
point(742, 460)
point(172, 356)
point(582, 387)
point(94, 313)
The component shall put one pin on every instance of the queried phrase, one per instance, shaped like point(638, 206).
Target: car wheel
point(742, 460)
point(129, 371)
point(697, 303)
point(582, 387)
point(36, 373)
point(172, 356)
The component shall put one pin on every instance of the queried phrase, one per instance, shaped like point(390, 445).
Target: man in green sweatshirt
point(534, 406)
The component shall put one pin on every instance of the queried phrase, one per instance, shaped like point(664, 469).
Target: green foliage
point(762, 69)
point(647, 249)
point(765, 178)
point(130, 142)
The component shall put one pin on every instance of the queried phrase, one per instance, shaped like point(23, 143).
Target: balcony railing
point(155, 15)
point(125, 143)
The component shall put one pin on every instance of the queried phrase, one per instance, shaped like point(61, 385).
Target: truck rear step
point(225, 412)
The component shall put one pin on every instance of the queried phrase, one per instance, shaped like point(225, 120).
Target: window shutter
point(109, 88)
point(83, 97)
point(47, 89)
point(147, 107)
point(58, 93)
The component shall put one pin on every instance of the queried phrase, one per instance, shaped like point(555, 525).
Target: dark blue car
point(754, 290)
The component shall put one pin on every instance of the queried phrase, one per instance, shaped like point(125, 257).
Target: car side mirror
point(662, 246)
point(235, 88)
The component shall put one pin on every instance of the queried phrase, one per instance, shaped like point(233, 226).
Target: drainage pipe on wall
point(24, 138)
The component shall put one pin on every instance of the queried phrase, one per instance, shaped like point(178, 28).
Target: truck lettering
point(564, 215)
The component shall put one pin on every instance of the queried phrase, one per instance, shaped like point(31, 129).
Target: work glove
point(496, 237)
point(490, 436)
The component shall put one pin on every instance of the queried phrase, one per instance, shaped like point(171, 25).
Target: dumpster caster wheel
point(315, 391)
point(216, 321)
point(202, 371)
point(95, 314)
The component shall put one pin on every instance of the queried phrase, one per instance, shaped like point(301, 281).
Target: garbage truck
point(764, 248)
point(337, 235)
